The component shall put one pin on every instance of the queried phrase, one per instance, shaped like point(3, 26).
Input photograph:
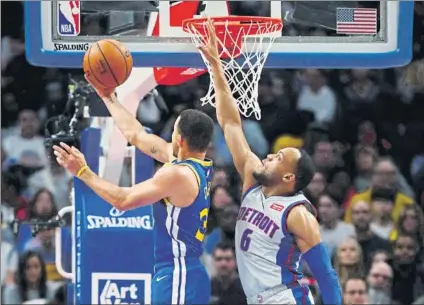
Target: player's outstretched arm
point(133, 131)
point(167, 182)
point(227, 113)
point(304, 226)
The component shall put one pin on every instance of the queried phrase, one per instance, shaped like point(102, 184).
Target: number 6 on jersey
point(245, 239)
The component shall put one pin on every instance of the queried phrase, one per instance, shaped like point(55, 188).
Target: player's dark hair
point(196, 128)
point(305, 171)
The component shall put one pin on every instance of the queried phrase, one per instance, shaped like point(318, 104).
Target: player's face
point(279, 167)
point(355, 292)
point(176, 137)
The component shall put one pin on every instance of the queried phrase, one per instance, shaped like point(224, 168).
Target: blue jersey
point(179, 232)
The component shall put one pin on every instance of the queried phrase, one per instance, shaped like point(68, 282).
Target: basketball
point(108, 62)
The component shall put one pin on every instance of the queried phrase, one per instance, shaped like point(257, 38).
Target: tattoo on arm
point(153, 150)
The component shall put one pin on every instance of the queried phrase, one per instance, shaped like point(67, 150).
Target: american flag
point(356, 20)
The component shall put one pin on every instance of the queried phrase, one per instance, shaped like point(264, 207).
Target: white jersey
point(267, 255)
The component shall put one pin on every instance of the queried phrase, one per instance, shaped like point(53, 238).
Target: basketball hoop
point(243, 59)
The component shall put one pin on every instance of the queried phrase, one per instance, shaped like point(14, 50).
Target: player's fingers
point(210, 30)
point(211, 27)
point(66, 147)
point(58, 154)
point(202, 49)
point(76, 153)
point(91, 81)
point(100, 89)
point(60, 151)
point(60, 161)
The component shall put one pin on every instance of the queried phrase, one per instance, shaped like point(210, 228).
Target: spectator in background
point(27, 139)
point(340, 185)
point(355, 291)
point(362, 90)
point(379, 281)
point(31, 281)
point(380, 256)
point(317, 98)
point(348, 259)
point(42, 206)
point(365, 157)
point(333, 230)
point(225, 285)
point(407, 272)
point(370, 243)
point(316, 187)
point(6, 162)
point(411, 221)
point(9, 262)
point(254, 136)
point(224, 233)
point(33, 173)
point(384, 175)
point(382, 202)
point(61, 178)
point(220, 178)
point(13, 205)
point(324, 157)
point(60, 296)
point(220, 198)
point(44, 244)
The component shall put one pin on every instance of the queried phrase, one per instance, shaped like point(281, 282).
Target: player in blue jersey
point(276, 225)
point(180, 190)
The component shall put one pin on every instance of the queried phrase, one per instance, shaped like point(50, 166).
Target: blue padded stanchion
point(114, 249)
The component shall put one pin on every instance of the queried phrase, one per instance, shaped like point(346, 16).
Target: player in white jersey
point(276, 224)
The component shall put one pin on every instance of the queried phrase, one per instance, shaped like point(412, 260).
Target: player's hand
point(103, 92)
point(69, 157)
point(210, 48)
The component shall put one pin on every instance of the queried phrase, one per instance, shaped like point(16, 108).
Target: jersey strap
point(286, 212)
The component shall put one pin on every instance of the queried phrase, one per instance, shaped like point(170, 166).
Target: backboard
point(59, 32)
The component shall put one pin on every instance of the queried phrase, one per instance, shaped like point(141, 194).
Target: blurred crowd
point(363, 128)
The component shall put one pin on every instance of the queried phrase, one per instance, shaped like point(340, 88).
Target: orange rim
point(251, 23)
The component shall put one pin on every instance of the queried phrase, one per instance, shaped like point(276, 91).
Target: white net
point(243, 57)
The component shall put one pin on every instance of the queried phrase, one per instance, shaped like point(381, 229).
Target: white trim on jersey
point(179, 250)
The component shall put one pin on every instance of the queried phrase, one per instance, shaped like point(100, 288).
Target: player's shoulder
point(280, 206)
point(173, 174)
point(203, 169)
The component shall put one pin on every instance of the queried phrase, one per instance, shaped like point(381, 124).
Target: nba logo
point(68, 18)
point(120, 288)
